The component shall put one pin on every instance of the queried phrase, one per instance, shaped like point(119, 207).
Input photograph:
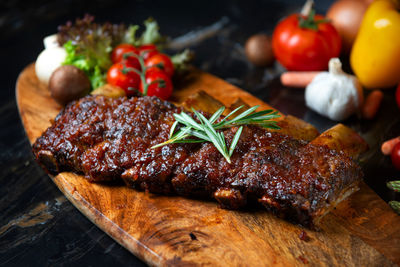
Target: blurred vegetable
point(388, 145)
point(157, 83)
point(346, 16)
point(334, 94)
point(395, 156)
point(86, 33)
point(305, 42)
point(151, 35)
point(89, 44)
point(298, 79)
point(162, 62)
point(375, 57)
point(147, 50)
point(137, 75)
point(124, 76)
point(120, 50)
point(181, 60)
point(258, 50)
point(372, 104)
point(68, 83)
point(51, 41)
point(395, 205)
point(109, 90)
point(48, 60)
point(394, 185)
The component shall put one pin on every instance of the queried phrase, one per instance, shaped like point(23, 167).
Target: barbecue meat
point(107, 139)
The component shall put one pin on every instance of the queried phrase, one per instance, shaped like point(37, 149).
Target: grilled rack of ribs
point(107, 139)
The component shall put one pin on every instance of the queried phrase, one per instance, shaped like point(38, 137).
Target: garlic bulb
point(334, 94)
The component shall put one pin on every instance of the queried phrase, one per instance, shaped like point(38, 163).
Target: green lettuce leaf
point(94, 61)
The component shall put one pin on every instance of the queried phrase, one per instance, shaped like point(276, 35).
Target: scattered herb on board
point(206, 130)
point(395, 186)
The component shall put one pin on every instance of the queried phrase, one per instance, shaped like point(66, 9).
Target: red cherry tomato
point(122, 52)
point(304, 49)
point(147, 51)
point(398, 95)
point(395, 156)
point(147, 47)
point(118, 52)
point(123, 76)
point(161, 61)
point(159, 84)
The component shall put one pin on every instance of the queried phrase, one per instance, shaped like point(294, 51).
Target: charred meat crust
point(107, 139)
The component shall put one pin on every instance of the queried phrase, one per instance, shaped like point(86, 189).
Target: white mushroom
point(50, 41)
point(334, 94)
point(49, 59)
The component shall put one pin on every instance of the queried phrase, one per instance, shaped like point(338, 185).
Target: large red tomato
point(305, 46)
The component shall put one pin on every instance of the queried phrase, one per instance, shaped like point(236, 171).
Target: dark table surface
point(38, 226)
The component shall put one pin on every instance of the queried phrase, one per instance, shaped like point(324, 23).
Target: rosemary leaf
point(187, 120)
point(395, 205)
point(171, 132)
point(394, 185)
point(231, 113)
point(244, 114)
point(235, 140)
point(217, 114)
point(201, 135)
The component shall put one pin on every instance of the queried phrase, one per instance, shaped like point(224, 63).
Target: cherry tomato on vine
point(158, 84)
point(148, 50)
point(305, 43)
point(395, 156)
point(123, 76)
point(398, 95)
point(161, 61)
point(120, 50)
point(121, 53)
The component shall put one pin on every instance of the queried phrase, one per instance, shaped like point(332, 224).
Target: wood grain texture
point(161, 230)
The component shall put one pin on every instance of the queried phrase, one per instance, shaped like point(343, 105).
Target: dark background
point(38, 226)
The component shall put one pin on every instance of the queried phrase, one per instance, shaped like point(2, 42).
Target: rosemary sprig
point(206, 130)
point(395, 206)
point(394, 185)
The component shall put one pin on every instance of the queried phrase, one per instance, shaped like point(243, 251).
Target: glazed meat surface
point(107, 139)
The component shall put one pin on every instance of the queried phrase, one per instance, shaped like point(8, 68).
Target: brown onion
point(258, 50)
point(346, 16)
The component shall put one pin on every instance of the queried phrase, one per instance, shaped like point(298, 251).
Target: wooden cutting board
point(362, 231)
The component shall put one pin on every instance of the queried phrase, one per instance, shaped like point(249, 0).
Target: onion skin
point(258, 50)
point(346, 16)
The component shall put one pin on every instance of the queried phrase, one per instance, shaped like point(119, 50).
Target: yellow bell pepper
point(375, 56)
